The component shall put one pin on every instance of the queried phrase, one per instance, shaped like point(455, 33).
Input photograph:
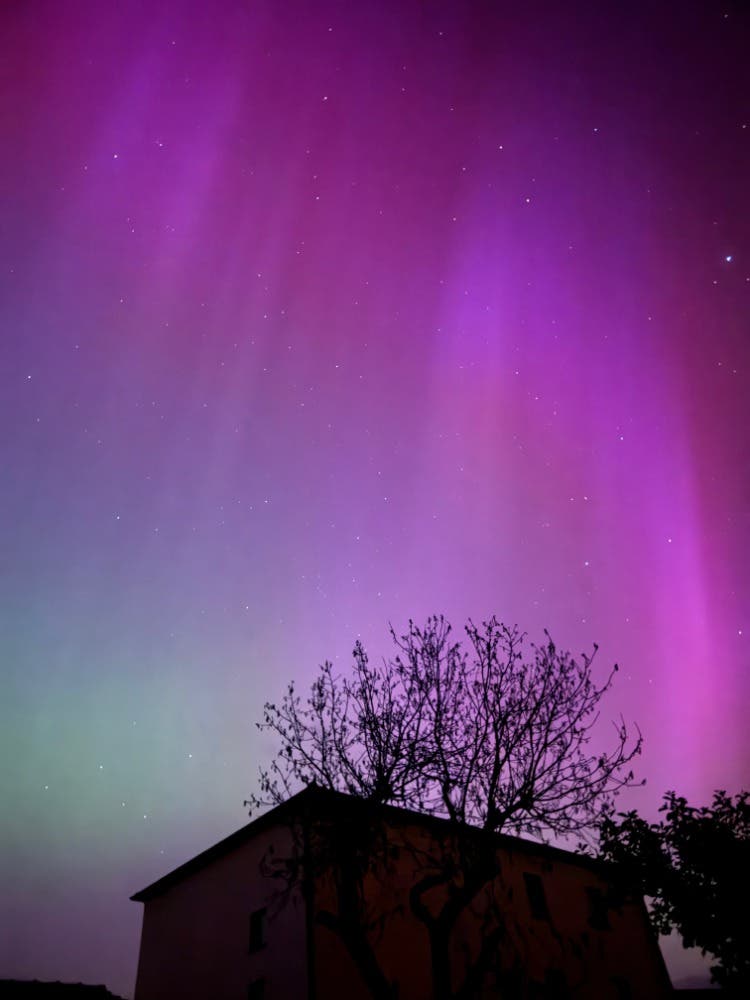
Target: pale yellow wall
point(588, 958)
point(195, 937)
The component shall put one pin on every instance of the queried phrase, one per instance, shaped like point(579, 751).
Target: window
point(256, 990)
point(537, 898)
point(555, 984)
point(598, 914)
point(257, 929)
point(622, 988)
point(554, 987)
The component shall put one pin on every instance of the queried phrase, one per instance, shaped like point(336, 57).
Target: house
point(327, 896)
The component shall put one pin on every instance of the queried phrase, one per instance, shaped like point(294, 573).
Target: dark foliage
point(695, 865)
point(27, 989)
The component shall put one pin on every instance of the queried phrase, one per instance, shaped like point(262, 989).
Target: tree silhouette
point(695, 864)
point(481, 735)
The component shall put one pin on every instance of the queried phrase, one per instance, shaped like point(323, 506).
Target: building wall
point(195, 937)
point(620, 961)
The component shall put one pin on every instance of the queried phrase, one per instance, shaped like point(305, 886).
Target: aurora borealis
point(317, 316)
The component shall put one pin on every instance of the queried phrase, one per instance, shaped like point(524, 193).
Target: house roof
point(317, 796)
point(225, 846)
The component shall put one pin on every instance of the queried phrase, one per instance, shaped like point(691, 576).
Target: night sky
point(317, 316)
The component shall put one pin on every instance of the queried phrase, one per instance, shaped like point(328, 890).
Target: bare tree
point(482, 735)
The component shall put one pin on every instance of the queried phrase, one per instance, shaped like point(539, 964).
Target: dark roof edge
point(224, 846)
point(507, 840)
point(279, 812)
